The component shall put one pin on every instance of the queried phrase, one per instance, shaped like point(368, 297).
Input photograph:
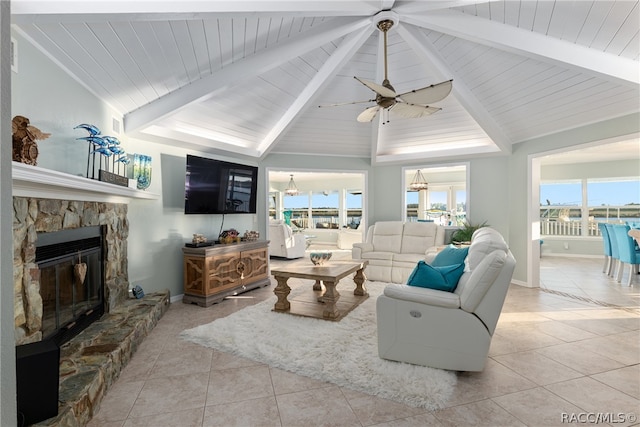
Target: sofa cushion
point(410, 259)
point(417, 237)
point(444, 278)
point(387, 236)
point(450, 255)
point(387, 256)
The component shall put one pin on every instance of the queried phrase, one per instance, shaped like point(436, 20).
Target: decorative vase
point(142, 171)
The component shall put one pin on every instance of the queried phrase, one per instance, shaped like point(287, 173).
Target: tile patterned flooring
point(569, 349)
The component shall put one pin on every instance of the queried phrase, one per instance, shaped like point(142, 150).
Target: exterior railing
point(320, 218)
point(551, 227)
point(566, 220)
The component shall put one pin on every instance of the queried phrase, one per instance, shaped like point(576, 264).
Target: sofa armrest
point(359, 248)
point(364, 246)
point(422, 295)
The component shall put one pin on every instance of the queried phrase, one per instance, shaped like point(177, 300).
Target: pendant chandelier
point(418, 182)
point(291, 190)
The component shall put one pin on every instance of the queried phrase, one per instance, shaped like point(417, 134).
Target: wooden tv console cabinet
point(214, 272)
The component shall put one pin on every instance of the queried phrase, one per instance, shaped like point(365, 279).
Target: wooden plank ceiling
point(247, 77)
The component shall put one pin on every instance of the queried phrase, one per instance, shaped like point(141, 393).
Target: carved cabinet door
point(223, 271)
point(254, 264)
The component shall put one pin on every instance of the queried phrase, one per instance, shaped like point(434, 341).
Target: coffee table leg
point(282, 291)
point(317, 286)
point(330, 298)
point(359, 279)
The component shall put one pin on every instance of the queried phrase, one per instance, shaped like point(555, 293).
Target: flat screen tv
point(218, 187)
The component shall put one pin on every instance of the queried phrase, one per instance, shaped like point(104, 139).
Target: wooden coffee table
point(322, 305)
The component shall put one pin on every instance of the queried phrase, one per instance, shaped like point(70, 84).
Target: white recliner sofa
point(448, 330)
point(394, 247)
point(283, 242)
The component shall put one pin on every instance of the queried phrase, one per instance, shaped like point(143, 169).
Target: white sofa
point(448, 330)
point(283, 242)
point(394, 247)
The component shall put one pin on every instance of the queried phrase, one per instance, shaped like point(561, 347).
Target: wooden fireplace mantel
point(34, 181)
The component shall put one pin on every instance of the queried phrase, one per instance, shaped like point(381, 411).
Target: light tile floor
point(569, 349)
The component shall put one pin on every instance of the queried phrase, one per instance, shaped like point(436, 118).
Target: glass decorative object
point(142, 171)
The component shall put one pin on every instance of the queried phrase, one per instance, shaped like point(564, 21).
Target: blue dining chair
point(607, 247)
point(615, 256)
point(627, 252)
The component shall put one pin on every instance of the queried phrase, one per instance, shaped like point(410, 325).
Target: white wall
point(608, 169)
point(8, 410)
point(489, 193)
point(386, 194)
point(55, 103)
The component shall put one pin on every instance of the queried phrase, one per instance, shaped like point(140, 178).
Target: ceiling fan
point(412, 104)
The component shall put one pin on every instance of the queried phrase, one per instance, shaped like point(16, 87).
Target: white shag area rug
point(344, 353)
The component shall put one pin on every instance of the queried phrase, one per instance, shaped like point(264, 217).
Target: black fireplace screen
point(71, 281)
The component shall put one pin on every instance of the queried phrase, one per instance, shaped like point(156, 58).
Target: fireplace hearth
point(71, 281)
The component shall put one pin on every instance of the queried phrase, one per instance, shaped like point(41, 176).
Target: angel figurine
point(25, 149)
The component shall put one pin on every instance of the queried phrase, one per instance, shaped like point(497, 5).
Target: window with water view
point(574, 208)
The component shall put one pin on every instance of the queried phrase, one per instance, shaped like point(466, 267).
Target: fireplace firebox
point(71, 264)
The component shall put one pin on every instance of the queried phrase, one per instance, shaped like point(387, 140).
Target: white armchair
point(283, 242)
point(348, 236)
point(448, 330)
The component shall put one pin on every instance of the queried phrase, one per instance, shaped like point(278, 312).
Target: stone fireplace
point(34, 217)
point(48, 205)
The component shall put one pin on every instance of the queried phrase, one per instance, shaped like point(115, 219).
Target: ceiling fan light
point(292, 189)
point(418, 182)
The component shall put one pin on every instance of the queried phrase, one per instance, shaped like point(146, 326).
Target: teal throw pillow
point(443, 278)
point(450, 255)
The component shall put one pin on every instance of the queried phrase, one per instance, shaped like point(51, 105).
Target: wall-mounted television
point(218, 187)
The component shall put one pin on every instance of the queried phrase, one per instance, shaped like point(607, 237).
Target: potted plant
point(464, 234)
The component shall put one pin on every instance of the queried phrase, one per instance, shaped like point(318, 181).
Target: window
point(565, 212)
point(326, 200)
point(354, 208)
point(445, 200)
point(325, 209)
point(296, 210)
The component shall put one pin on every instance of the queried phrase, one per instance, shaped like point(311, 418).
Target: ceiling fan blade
point(429, 94)
point(346, 103)
point(368, 114)
point(379, 89)
point(412, 111)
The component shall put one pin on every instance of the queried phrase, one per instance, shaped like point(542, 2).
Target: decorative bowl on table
point(319, 258)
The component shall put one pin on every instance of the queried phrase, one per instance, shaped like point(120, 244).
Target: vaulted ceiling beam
point(27, 11)
point(425, 50)
point(340, 56)
point(530, 44)
point(378, 122)
point(257, 64)
point(408, 8)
